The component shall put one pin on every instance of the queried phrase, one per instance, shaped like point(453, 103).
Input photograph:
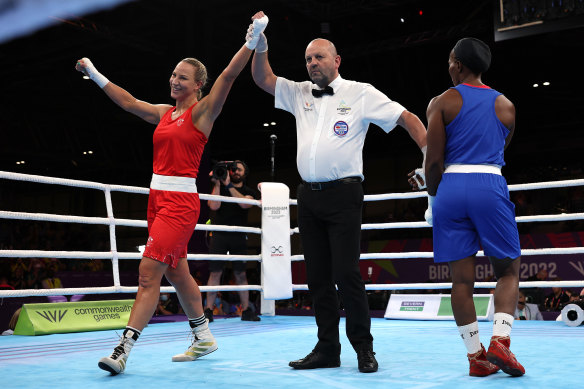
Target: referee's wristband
point(229, 186)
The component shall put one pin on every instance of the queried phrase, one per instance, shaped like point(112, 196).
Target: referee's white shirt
point(331, 129)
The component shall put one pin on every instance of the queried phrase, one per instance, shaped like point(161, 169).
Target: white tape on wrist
point(252, 37)
point(428, 213)
point(249, 36)
point(420, 178)
point(251, 41)
point(96, 76)
point(99, 79)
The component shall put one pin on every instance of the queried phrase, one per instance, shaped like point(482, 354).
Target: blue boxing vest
point(476, 136)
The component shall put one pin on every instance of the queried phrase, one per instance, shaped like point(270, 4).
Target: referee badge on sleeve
point(340, 129)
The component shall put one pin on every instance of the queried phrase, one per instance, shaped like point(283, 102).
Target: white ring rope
point(299, 257)
point(518, 219)
point(477, 285)
point(116, 289)
point(120, 255)
point(112, 188)
point(429, 254)
point(512, 188)
point(113, 255)
point(117, 222)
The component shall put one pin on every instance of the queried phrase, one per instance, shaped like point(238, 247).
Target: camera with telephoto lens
point(221, 170)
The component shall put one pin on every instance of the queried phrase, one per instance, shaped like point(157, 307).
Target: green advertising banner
point(481, 306)
point(60, 318)
point(434, 307)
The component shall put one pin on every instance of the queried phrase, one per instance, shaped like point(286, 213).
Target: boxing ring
point(411, 354)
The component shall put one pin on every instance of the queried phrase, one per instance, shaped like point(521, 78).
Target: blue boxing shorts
point(473, 210)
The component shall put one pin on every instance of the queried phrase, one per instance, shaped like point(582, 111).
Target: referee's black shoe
point(209, 314)
point(316, 360)
point(366, 359)
point(249, 315)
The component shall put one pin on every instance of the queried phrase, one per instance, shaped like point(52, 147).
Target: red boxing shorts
point(172, 217)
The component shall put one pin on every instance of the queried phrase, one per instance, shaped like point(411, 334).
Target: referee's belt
point(330, 184)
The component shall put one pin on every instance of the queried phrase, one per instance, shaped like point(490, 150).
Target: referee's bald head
point(331, 46)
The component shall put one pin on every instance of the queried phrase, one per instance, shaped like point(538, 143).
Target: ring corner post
point(276, 258)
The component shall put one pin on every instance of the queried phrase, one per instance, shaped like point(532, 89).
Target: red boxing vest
point(178, 145)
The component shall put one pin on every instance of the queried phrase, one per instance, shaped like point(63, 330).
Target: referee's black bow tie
point(326, 91)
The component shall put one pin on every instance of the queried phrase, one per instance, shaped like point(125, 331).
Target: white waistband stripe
point(174, 184)
point(473, 169)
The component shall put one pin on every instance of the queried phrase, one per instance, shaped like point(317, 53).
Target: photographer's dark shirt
point(231, 214)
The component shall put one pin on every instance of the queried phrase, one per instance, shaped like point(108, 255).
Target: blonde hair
point(14, 319)
point(200, 74)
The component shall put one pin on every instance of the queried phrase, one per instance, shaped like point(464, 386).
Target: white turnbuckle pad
point(276, 272)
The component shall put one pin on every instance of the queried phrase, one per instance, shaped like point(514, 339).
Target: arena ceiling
point(51, 116)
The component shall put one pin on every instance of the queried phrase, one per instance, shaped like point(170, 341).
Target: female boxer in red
point(173, 205)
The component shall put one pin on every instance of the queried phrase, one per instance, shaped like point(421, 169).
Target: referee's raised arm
point(261, 70)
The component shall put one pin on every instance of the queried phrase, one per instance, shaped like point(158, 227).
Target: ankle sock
point(131, 332)
point(502, 324)
point(197, 321)
point(470, 336)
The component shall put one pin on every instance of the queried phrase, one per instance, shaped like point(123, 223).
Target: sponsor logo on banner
point(276, 212)
point(102, 313)
point(277, 251)
point(412, 306)
point(341, 128)
point(578, 266)
point(53, 316)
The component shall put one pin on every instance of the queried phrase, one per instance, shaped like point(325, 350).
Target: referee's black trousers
point(330, 228)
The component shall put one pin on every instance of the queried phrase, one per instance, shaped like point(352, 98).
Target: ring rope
point(106, 187)
point(114, 255)
point(120, 255)
point(116, 289)
point(228, 257)
point(140, 190)
point(448, 285)
point(512, 188)
point(518, 219)
point(117, 222)
point(430, 254)
point(296, 287)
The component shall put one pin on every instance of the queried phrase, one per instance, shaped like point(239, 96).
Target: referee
point(332, 118)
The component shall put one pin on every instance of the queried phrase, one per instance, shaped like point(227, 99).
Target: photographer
point(228, 179)
point(525, 310)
